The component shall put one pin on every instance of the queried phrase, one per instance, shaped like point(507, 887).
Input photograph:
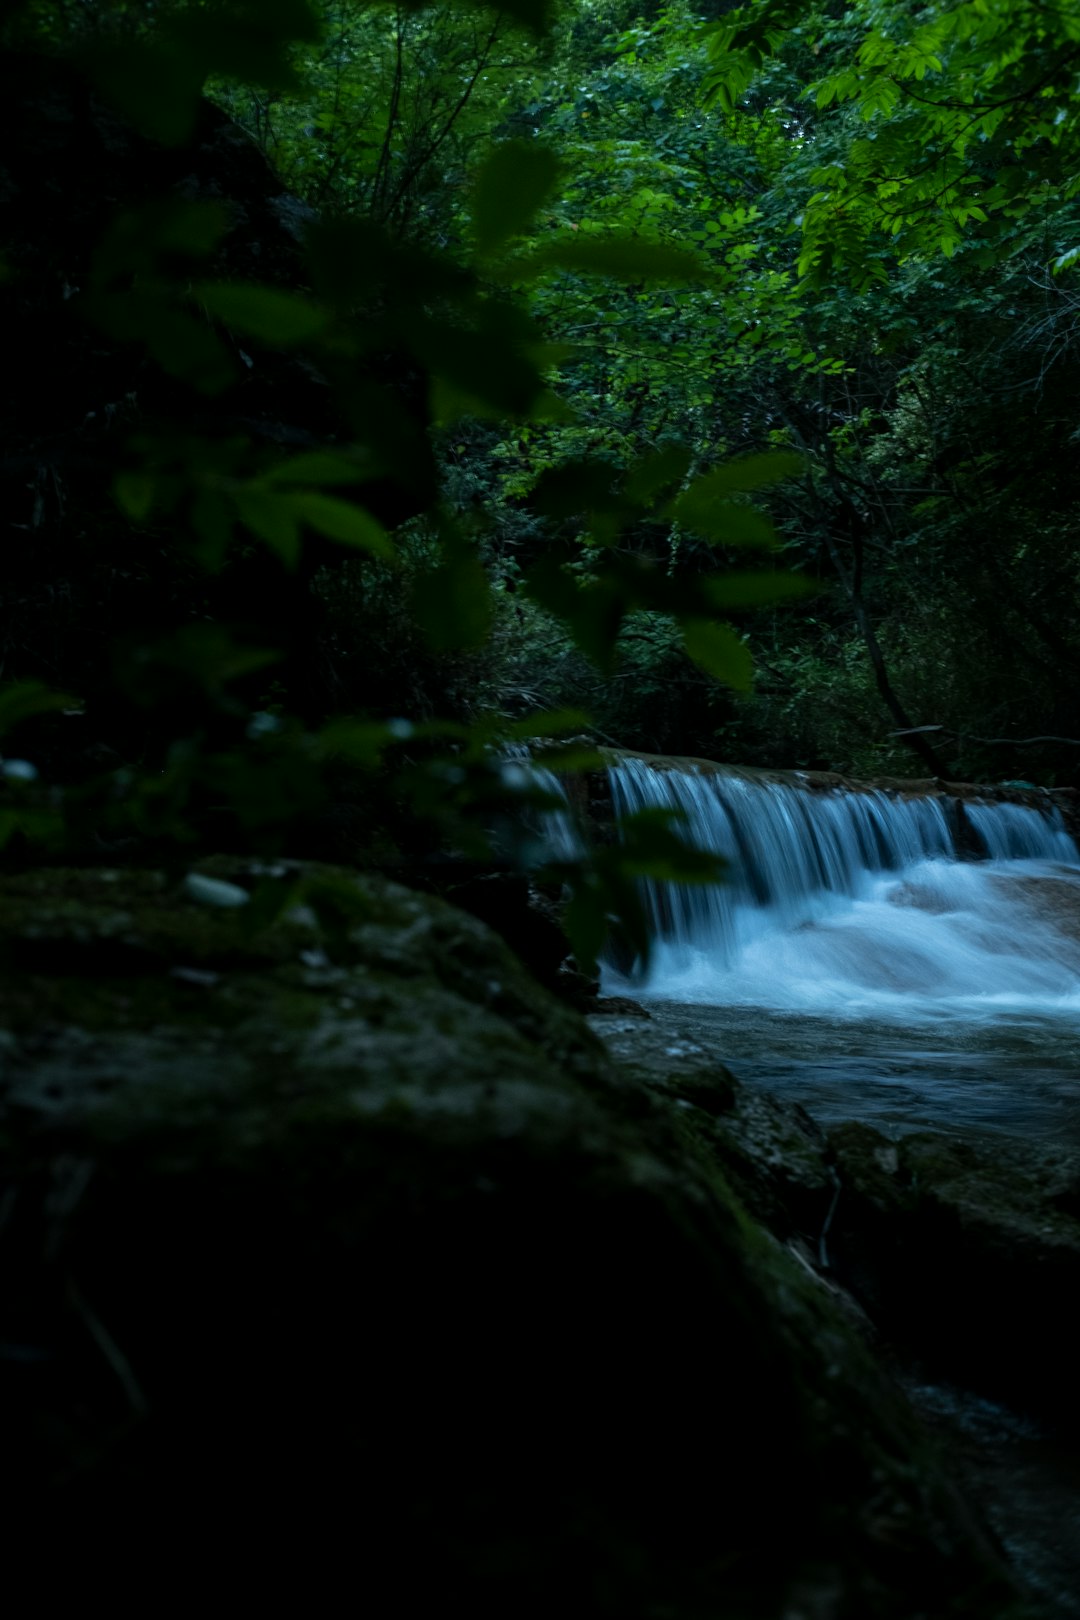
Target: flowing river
point(859, 961)
point(905, 960)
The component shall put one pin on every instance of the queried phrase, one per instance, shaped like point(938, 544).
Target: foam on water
point(859, 903)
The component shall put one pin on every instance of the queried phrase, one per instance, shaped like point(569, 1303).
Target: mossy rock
point(339, 1239)
point(771, 1151)
point(967, 1250)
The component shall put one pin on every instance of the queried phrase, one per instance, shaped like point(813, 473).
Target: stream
point(1017, 1073)
point(859, 962)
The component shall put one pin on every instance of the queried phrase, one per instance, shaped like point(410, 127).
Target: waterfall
point(550, 832)
point(851, 900)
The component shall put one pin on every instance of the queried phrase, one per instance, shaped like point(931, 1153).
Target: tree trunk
point(852, 583)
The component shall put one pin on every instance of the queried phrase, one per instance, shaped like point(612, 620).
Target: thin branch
point(1029, 94)
point(989, 742)
point(458, 108)
point(382, 167)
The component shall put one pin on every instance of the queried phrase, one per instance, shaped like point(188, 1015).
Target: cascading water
point(859, 962)
point(860, 903)
point(551, 833)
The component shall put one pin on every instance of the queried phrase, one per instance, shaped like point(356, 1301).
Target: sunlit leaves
point(956, 99)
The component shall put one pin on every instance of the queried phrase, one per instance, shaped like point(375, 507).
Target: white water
point(545, 831)
point(857, 905)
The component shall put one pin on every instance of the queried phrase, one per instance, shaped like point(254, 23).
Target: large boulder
point(336, 1248)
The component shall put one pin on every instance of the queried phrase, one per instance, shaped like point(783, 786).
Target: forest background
point(698, 380)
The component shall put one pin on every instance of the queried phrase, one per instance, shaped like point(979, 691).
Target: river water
point(860, 963)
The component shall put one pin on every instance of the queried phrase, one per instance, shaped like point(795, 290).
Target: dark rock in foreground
point(334, 1245)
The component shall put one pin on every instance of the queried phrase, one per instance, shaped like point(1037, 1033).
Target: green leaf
point(705, 506)
point(1066, 261)
point(364, 742)
point(135, 493)
point(157, 83)
point(654, 473)
point(652, 846)
point(453, 602)
point(554, 723)
point(270, 516)
point(27, 698)
point(624, 258)
point(199, 657)
point(187, 349)
point(483, 369)
point(247, 40)
point(717, 649)
point(158, 91)
point(592, 612)
point(321, 467)
point(577, 487)
point(265, 313)
point(748, 473)
point(729, 591)
point(723, 521)
point(571, 761)
point(136, 242)
point(338, 520)
point(182, 346)
point(211, 518)
point(511, 186)
point(586, 925)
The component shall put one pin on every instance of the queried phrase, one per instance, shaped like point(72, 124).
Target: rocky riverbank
point(954, 1258)
point(334, 1245)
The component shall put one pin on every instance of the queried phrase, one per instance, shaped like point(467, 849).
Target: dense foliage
point(704, 382)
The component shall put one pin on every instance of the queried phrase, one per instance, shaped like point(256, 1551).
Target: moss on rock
point(967, 1250)
point(341, 1233)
